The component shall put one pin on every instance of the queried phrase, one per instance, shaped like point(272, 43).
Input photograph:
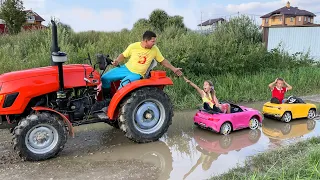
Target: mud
point(185, 152)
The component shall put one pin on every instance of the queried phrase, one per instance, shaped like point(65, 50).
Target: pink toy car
point(240, 117)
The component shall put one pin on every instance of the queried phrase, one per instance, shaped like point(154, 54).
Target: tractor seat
point(152, 65)
point(147, 75)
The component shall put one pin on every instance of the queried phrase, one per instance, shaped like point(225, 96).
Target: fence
point(294, 39)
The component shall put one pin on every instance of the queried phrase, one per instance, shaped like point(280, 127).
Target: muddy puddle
point(185, 152)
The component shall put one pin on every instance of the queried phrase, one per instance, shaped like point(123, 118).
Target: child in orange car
point(278, 90)
point(208, 95)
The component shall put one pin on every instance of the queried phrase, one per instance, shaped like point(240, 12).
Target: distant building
point(33, 21)
point(210, 25)
point(288, 16)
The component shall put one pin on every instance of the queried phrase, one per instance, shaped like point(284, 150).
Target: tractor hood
point(42, 71)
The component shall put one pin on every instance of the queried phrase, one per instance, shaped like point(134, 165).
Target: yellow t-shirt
point(208, 100)
point(141, 58)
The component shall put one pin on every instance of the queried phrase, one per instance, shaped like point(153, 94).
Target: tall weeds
point(233, 56)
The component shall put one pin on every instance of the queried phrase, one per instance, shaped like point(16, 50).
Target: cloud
point(34, 4)
point(84, 19)
point(254, 7)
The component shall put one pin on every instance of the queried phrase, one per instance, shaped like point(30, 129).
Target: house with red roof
point(33, 22)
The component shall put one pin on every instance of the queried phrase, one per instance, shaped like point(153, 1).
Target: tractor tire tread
point(128, 106)
point(20, 131)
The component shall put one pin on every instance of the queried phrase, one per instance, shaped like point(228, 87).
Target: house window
point(291, 19)
point(308, 19)
point(266, 20)
point(305, 18)
point(30, 19)
point(280, 19)
point(299, 18)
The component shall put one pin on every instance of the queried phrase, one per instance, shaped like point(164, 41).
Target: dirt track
point(71, 164)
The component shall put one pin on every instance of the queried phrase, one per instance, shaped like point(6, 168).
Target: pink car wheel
point(253, 123)
point(226, 128)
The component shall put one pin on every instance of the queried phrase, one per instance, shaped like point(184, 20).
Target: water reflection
point(157, 154)
point(211, 146)
point(279, 130)
point(189, 152)
point(113, 146)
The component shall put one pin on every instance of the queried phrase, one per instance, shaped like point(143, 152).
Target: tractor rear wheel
point(39, 137)
point(146, 115)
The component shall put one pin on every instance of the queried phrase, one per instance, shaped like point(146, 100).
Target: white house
point(210, 24)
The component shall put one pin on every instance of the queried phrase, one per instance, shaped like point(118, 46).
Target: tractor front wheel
point(146, 115)
point(39, 137)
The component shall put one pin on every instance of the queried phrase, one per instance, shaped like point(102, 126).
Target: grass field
point(298, 161)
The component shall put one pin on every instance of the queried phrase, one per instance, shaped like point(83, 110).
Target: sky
point(114, 15)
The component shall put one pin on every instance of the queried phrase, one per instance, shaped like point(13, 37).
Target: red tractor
point(44, 104)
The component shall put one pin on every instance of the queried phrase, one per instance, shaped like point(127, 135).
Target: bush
point(234, 50)
point(235, 47)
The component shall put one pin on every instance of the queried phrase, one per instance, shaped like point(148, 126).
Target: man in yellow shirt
point(141, 55)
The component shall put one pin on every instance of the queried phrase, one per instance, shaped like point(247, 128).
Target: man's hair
point(148, 35)
point(280, 79)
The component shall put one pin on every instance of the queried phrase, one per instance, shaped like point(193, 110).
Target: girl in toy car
point(209, 98)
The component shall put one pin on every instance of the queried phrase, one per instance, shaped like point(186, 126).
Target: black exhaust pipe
point(54, 44)
point(57, 59)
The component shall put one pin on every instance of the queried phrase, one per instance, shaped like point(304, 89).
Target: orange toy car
point(45, 103)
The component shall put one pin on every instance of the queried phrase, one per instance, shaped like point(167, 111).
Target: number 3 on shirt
point(142, 60)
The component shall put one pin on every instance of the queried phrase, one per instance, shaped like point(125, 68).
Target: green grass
point(298, 161)
point(245, 88)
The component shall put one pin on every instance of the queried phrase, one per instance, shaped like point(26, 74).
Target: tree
point(158, 19)
point(124, 30)
point(176, 21)
point(141, 23)
point(64, 26)
point(12, 12)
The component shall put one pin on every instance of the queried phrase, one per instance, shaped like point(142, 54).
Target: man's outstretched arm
point(168, 65)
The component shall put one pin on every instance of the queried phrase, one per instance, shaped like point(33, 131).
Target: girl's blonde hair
point(212, 91)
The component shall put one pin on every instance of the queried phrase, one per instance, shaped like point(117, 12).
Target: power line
point(228, 15)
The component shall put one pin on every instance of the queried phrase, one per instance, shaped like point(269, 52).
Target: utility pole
point(201, 21)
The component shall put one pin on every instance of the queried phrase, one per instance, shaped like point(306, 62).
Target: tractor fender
point(65, 119)
point(127, 89)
